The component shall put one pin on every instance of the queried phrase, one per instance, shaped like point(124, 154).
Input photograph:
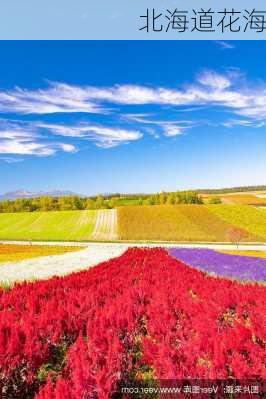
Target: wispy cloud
point(23, 139)
point(228, 92)
point(102, 136)
point(210, 89)
point(11, 160)
point(215, 81)
point(243, 122)
point(225, 45)
point(57, 98)
point(169, 128)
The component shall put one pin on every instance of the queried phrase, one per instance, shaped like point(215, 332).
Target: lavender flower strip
point(233, 266)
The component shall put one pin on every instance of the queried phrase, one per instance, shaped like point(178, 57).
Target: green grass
point(48, 226)
point(127, 201)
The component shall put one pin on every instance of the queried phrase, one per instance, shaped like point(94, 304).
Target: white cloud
point(102, 136)
point(59, 97)
point(211, 88)
point(55, 99)
point(24, 139)
point(67, 147)
point(26, 148)
point(171, 130)
point(257, 110)
point(224, 91)
point(214, 80)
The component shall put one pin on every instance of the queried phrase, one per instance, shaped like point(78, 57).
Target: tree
point(77, 203)
point(171, 199)
point(236, 235)
point(114, 201)
point(99, 202)
point(215, 200)
point(188, 197)
point(90, 203)
point(162, 198)
point(152, 200)
point(46, 203)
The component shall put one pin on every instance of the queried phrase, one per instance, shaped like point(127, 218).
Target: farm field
point(244, 199)
point(239, 198)
point(190, 222)
point(58, 226)
point(251, 219)
point(65, 337)
point(15, 253)
point(185, 223)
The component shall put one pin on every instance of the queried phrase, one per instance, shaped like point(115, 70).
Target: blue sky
point(97, 117)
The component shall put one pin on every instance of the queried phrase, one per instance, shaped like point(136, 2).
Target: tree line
point(232, 190)
point(47, 203)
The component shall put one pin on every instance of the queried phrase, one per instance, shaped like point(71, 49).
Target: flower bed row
point(134, 319)
point(15, 253)
point(246, 268)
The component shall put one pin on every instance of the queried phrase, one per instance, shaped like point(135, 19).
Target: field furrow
point(106, 225)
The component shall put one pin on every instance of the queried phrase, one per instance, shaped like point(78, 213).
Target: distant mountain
point(12, 195)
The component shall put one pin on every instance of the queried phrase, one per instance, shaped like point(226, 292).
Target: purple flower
point(232, 266)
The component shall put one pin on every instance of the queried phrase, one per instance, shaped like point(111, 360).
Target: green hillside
point(63, 225)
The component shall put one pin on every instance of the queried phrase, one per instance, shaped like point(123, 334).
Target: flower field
point(246, 268)
point(190, 222)
point(174, 223)
point(14, 253)
point(253, 220)
point(206, 223)
point(137, 318)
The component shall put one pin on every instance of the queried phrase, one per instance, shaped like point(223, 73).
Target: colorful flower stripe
point(15, 253)
point(246, 268)
point(248, 252)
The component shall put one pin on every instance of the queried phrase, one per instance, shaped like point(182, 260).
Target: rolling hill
point(58, 226)
point(208, 223)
